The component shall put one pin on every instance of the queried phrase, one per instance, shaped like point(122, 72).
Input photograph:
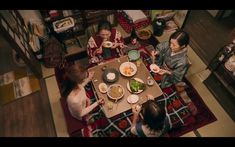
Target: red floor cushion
point(73, 125)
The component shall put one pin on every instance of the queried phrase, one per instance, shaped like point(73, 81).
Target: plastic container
point(63, 24)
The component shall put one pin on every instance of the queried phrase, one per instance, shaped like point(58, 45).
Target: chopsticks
point(116, 103)
point(141, 101)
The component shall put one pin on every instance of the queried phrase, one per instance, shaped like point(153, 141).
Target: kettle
point(159, 26)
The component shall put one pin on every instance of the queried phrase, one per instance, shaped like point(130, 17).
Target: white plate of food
point(132, 99)
point(154, 68)
point(115, 92)
point(107, 44)
point(136, 85)
point(128, 69)
point(103, 87)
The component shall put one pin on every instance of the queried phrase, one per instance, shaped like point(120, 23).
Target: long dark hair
point(154, 115)
point(181, 36)
point(75, 75)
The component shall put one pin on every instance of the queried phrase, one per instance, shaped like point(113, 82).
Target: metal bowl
point(110, 75)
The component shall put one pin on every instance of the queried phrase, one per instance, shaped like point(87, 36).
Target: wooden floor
point(29, 116)
point(207, 34)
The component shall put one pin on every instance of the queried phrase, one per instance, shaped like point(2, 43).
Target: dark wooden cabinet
point(227, 77)
point(217, 67)
point(221, 81)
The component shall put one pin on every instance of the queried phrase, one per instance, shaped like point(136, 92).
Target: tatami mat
point(224, 126)
point(58, 116)
point(190, 134)
point(46, 72)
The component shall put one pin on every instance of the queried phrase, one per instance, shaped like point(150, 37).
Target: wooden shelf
point(83, 19)
point(230, 89)
point(222, 74)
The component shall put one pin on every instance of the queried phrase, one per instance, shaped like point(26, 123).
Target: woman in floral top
point(78, 100)
point(95, 47)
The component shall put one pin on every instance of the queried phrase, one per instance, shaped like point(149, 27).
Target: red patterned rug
point(202, 117)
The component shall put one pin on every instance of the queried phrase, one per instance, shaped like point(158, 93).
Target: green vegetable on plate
point(135, 85)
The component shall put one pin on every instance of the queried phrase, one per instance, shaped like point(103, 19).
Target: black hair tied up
point(181, 36)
